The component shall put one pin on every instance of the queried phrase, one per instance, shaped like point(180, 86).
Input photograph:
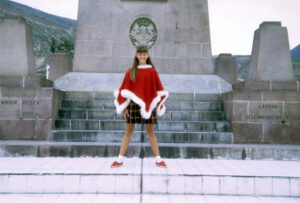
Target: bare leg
point(126, 138)
point(152, 139)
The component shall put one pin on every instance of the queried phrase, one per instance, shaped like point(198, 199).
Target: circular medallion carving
point(143, 32)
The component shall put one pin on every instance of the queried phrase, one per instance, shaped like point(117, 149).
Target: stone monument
point(16, 41)
point(225, 67)
point(176, 32)
point(28, 103)
point(266, 109)
point(271, 57)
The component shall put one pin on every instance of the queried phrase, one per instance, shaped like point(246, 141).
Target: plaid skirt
point(135, 115)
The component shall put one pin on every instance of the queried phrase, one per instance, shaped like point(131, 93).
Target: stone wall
point(264, 112)
point(183, 42)
point(28, 113)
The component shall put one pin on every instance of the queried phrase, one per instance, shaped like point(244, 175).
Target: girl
point(141, 97)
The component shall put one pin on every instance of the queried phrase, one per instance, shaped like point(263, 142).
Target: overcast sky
point(232, 22)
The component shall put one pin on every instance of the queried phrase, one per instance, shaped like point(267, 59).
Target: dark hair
point(134, 69)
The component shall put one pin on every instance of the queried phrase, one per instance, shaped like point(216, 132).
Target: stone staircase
point(188, 123)
point(193, 126)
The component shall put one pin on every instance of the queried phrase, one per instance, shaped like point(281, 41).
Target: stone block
point(245, 186)
point(239, 110)
point(281, 96)
point(103, 187)
point(247, 132)
point(283, 133)
point(16, 42)
point(271, 57)
point(165, 50)
point(43, 129)
point(211, 185)
point(53, 183)
point(60, 64)
point(199, 35)
point(17, 151)
point(281, 187)
point(225, 67)
point(263, 186)
point(35, 184)
point(295, 187)
point(193, 185)
point(17, 129)
point(70, 183)
point(265, 112)
point(89, 184)
point(9, 108)
point(228, 185)
point(13, 81)
point(244, 96)
point(194, 50)
point(54, 151)
point(18, 92)
point(175, 184)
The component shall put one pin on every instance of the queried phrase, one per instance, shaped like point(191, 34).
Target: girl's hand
point(126, 114)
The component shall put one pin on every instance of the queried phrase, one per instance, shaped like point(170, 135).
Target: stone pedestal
point(183, 36)
point(60, 65)
point(225, 67)
point(271, 57)
point(28, 104)
point(28, 113)
point(16, 48)
point(264, 112)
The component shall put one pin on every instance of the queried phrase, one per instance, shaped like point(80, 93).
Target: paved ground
point(185, 180)
point(109, 198)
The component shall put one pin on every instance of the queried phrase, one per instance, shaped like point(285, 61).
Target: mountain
point(295, 52)
point(44, 26)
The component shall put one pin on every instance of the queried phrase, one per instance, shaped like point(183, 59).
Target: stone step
point(246, 178)
point(141, 136)
point(186, 126)
point(170, 105)
point(69, 95)
point(167, 150)
point(110, 114)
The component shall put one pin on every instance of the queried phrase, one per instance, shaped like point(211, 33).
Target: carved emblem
point(143, 32)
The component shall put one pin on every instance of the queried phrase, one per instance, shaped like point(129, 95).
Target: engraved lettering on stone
point(8, 102)
point(268, 106)
point(31, 102)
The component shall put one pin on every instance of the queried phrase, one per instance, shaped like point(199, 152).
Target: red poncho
point(147, 92)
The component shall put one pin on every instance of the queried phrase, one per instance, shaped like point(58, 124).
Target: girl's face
point(142, 57)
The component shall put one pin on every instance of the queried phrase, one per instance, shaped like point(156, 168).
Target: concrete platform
point(141, 176)
point(108, 82)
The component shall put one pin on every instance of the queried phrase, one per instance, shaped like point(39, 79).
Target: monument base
point(27, 110)
point(264, 112)
point(174, 83)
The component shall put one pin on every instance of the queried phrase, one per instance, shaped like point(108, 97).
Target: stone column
point(17, 55)
point(183, 44)
point(60, 65)
point(225, 67)
point(271, 57)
